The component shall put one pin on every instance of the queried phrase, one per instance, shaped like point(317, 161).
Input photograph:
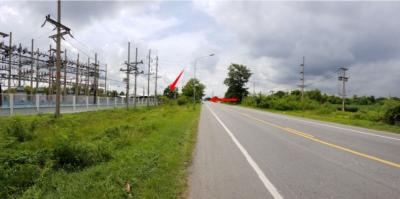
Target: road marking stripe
point(331, 126)
point(268, 185)
point(310, 137)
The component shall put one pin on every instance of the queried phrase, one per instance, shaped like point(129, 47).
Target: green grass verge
point(93, 154)
point(338, 117)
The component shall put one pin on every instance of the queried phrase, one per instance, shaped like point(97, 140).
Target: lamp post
point(194, 76)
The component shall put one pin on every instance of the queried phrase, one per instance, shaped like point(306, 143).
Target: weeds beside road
point(367, 116)
point(95, 154)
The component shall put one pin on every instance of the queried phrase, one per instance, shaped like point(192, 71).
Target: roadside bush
point(16, 179)
point(18, 130)
point(392, 115)
point(249, 101)
point(113, 132)
point(73, 155)
point(368, 115)
point(165, 100)
point(325, 109)
point(348, 109)
point(19, 170)
point(182, 100)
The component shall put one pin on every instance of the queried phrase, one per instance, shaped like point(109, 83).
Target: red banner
point(217, 99)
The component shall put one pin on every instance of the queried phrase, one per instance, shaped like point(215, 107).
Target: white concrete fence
point(28, 104)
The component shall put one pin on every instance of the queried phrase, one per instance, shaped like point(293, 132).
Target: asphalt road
point(246, 153)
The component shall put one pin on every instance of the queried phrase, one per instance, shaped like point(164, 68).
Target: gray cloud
point(330, 35)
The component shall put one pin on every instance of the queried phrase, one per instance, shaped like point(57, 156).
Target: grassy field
point(367, 117)
point(95, 154)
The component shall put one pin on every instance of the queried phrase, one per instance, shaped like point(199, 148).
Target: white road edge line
point(268, 185)
point(331, 126)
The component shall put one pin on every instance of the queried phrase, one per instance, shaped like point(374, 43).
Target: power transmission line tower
point(302, 79)
point(343, 79)
point(61, 31)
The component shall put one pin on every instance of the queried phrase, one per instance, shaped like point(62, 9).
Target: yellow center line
point(311, 137)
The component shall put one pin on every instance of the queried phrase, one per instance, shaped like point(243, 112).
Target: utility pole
point(128, 71)
point(148, 80)
point(60, 27)
point(343, 79)
point(37, 70)
point(254, 88)
point(65, 73)
point(50, 66)
point(131, 67)
point(135, 81)
point(87, 77)
point(105, 83)
point(302, 79)
point(136, 73)
point(10, 53)
point(77, 77)
point(19, 64)
point(4, 35)
point(155, 86)
point(58, 61)
point(32, 64)
point(96, 65)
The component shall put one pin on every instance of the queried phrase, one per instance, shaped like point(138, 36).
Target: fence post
point(87, 102)
point(97, 103)
point(115, 102)
point(74, 103)
point(107, 98)
point(37, 102)
point(11, 103)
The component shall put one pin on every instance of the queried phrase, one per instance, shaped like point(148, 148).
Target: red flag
point(173, 85)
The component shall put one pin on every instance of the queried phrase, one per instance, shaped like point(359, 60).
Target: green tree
point(170, 94)
point(187, 90)
point(238, 76)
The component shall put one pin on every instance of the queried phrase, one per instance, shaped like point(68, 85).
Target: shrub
point(18, 178)
point(392, 115)
point(18, 130)
point(113, 132)
point(164, 100)
point(182, 100)
point(348, 109)
point(74, 155)
point(325, 109)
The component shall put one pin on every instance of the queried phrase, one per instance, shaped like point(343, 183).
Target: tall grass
point(95, 154)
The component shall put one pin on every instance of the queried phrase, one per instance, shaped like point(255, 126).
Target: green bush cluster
point(73, 155)
point(182, 100)
point(20, 170)
point(392, 115)
point(17, 129)
point(363, 108)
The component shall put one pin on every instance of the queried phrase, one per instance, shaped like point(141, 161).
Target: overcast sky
point(269, 37)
